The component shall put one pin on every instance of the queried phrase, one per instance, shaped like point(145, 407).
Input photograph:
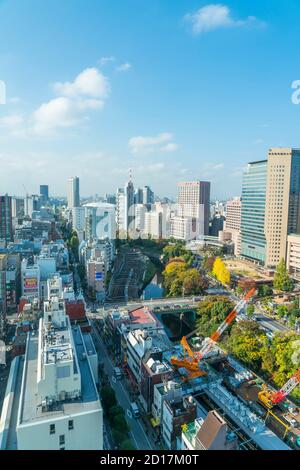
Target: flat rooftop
point(30, 410)
point(141, 315)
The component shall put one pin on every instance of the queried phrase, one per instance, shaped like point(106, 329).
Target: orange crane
point(191, 363)
point(270, 398)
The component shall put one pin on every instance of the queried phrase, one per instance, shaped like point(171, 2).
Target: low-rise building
point(211, 433)
point(51, 401)
point(293, 255)
point(176, 413)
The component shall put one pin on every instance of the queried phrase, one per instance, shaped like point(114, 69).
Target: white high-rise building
point(194, 201)
point(120, 210)
point(232, 227)
point(73, 192)
point(51, 400)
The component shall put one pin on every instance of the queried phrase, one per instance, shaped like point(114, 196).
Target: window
point(52, 428)
point(61, 439)
point(71, 424)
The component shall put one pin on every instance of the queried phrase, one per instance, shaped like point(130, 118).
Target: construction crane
point(270, 398)
point(191, 359)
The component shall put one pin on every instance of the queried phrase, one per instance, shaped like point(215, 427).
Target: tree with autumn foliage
point(179, 279)
point(221, 272)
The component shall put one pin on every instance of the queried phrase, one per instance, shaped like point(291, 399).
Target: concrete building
point(78, 219)
point(95, 270)
point(194, 201)
point(31, 204)
point(44, 193)
point(232, 226)
point(18, 206)
point(54, 287)
point(253, 240)
point(6, 229)
point(211, 433)
point(129, 207)
point(293, 255)
point(282, 202)
point(73, 193)
point(120, 211)
point(167, 390)
point(140, 216)
point(177, 413)
point(51, 401)
point(184, 228)
point(154, 370)
point(30, 280)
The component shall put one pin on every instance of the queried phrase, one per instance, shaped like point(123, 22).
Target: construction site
point(261, 417)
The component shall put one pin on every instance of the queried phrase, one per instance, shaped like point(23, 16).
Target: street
point(138, 434)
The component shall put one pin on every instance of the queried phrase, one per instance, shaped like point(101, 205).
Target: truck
point(118, 373)
point(134, 409)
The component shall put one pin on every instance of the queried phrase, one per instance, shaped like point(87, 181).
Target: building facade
point(253, 240)
point(73, 192)
point(282, 202)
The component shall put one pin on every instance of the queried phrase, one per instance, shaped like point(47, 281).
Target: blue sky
point(175, 90)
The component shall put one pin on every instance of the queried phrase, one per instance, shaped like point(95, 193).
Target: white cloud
point(124, 67)
point(106, 60)
point(12, 120)
point(162, 143)
point(88, 91)
point(170, 147)
point(215, 16)
point(89, 83)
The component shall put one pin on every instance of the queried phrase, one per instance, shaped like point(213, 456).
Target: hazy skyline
point(174, 90)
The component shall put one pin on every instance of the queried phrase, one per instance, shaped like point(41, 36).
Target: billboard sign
point(30, 283)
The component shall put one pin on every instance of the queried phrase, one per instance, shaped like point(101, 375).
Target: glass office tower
point(253, 241)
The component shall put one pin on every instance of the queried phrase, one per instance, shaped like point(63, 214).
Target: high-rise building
point(44, 193)
point(148, 195)
point(232, 227)
point(120, 210)
point(73, 192)
point(18, 206)
point(270, 206)
point(282, 213)
point(32, 203)
point(6, 230)
point(129, 207)
point(253, 240)
point(194, 201)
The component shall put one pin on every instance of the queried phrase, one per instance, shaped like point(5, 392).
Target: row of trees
point(276, 358)
point(116, 418)
point(180, 279)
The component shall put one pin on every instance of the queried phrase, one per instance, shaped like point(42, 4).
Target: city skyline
point(106, 105)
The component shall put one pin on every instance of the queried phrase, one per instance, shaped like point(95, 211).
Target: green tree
point(282, 311)
point(282, 280)
point(108, 397)
point(127, 445)
point(115, 411)
point(120, 423)
point(118, 436)
point(211, 312)
point(194, 283)
point(245, 343)
point(264, 290)
point(250, 311)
